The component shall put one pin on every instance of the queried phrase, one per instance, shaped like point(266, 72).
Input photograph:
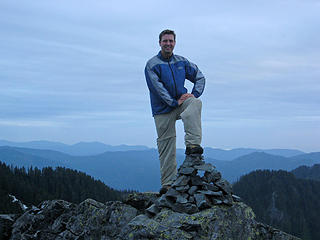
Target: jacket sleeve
point(195, 75)
point(156, 87)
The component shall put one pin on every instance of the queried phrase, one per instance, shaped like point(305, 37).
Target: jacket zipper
point(175, 85)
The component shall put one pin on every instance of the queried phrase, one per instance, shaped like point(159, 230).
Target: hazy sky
point(73, 70)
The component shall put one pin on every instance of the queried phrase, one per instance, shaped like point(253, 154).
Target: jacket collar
point(165, 59)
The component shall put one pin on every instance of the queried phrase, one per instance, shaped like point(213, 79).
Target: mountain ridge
point(129, 169)
point(94, 148)
point(77, 149)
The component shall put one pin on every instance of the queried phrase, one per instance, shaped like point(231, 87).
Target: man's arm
point(195, 75)
point(156, 87)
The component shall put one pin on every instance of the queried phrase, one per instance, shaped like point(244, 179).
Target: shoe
point(164, 190)
point(194, 149)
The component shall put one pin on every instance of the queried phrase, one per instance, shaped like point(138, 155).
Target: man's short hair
point(167, 31)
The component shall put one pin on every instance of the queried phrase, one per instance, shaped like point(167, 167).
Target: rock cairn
point(192, 192)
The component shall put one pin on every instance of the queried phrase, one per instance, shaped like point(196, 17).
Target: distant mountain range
point(78, 149)
point(228, 155)
point(232, 170)
point(95, 148)
point(134, 170)
point(139, 169)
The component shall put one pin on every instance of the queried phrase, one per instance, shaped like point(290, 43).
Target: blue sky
point(73, 71)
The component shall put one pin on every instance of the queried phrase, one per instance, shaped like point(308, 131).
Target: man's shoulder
point(155, 60)
point(180, 58)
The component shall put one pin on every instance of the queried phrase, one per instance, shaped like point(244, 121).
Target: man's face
point(167, 44)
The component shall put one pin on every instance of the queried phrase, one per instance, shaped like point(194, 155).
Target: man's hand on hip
point(184, 97)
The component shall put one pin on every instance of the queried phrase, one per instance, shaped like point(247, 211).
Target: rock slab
point(61, 220)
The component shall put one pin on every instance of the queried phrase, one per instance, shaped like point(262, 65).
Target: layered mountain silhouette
point(94, 148)
point(139, 170)
point(78, 149)
point(232, 170)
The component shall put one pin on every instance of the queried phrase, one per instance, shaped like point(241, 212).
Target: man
point(165, 75)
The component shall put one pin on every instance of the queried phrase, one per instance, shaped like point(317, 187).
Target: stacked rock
point(191, 192)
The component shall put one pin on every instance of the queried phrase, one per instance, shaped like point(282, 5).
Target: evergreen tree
point(32, 186)
point(280, 199)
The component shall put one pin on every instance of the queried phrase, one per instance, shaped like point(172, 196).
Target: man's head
point(167, 41)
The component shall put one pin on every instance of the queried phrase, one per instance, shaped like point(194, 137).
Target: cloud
point(27, 123)
point(83, 61)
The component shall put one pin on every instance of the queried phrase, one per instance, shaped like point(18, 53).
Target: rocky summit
point(199, 205)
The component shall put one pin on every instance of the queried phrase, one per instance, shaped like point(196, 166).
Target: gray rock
point(191, 208)
point(179, 207)
point(172, 193)
point(182, 180)
point(196, 181)
point(179, 220)
point(138, 220)
point(162, 202)
point(202, 201)
point(224, 185)
point(217, 202)
point(185, 208)
point(212, 176)
point(141, 201)
point(227, 202)
point(187, 171)
point(153, 210)
point(211, 187)
point(181, 199)
point(211, 193)
point(62, 220)
point(192, 190)
point(121, 214)
point(236, 198)
point(183, 189)
point(191, 199)
point(145, 228)
point(42, 220)
point(207, 167)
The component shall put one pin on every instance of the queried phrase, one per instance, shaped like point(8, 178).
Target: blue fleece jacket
point(165, 79)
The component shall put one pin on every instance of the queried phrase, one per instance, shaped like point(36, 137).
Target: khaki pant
point(190, 113)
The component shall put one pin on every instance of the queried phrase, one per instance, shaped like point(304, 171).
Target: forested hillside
point(33, 186)
point(308, 172)
point(280, 199)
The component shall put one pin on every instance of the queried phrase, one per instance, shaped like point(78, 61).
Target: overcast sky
point(73, 70)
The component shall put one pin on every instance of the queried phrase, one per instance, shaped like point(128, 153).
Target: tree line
point(282, 200)
point(33, 185)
